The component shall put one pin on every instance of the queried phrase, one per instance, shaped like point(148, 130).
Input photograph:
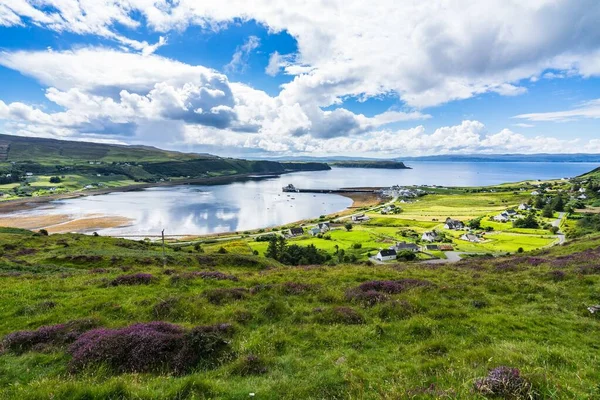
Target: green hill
point(51, 151)
point(234, 324)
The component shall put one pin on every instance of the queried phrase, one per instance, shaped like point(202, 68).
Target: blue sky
point(315, 77)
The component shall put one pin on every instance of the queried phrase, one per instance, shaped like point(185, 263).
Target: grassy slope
point(476, 317)
point(50, 151)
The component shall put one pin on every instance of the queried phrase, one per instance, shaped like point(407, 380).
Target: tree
point(198, 248)
point(548, 211)
point(558, 204)
point(348, 226)
point(55, 179)
point(528, 222)
point(475, 223)
point(272, 249)
point(539, 202)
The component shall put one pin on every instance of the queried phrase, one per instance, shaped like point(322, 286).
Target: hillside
point(52, 151)
point(27, 166)
point(341, 331)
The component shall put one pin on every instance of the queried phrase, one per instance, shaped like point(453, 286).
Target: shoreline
point(27, 203)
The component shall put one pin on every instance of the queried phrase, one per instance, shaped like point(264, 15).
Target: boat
point(289, 188)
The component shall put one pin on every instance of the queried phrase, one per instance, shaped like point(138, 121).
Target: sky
point(313, 77)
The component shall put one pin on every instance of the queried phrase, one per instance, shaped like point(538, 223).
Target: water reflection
point(259, 203)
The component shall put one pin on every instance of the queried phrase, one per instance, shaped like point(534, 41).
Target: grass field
point(432, 341)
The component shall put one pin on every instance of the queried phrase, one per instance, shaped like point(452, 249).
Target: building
point(535, 193)
point(432, 247)
point(470, 238)
point(360, 218)
point(510, 212)
point(296, 232)
point(404, 246)
point(323, 226)
point(454, 224)
point(314, 231)
point(430, 236)
point(386, 255)
point(503, 217)
point(524, 207)
point(446, 247)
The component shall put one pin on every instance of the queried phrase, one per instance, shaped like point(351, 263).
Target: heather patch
point(294, 288)
point(367, 298)
point(504, 382)
point(339, 315)
point(392, 287)
point(557, 275)
point(47, 336)
point(150, 347)
point(224, 295)
point(133, 279)
point(209, 275)
point(589, 269)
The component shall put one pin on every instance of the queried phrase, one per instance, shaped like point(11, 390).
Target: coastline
point(27, 203)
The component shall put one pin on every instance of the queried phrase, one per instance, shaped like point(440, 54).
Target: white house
point(454, 224)
point(360, 218)
point(324, 227)
point(471, 238)
point(386, 255)
point(314, 231)
point(430, 236)
point(535, 193)
point(582, 197)
point(501, 217)
point(524, 207)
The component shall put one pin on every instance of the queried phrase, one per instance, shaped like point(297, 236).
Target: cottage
point(471, 238)
point(501, 217)
point(386, 255)
point(535, 193)
point(360, 218)
point(431, 236)
point(404, 246)
point(524, 207)
point(314, 231)
point(582, 197)
point(510, 212)
point(28, 174)
point(296, 232)
point(324, 227)
point(454, 224)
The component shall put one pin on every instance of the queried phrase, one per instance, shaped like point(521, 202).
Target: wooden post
point(163, 248)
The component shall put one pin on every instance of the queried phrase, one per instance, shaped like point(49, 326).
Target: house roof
point(406, 246)
point(296, 231)
point(432, 247)
point(387, 252)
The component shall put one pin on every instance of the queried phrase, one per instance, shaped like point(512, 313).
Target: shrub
point(368, 298)
point(504, 382)
point(153, 346)
point(340, 315)
point(392, 287)
point(557, 275)
point(222, 250)
point(43, 232)
point(250, 365)
point(52, 335)
point(223, 295)
point(296, 288)
point(589, 269)
point(133, 279)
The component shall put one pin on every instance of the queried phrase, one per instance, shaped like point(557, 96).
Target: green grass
point(471, 320)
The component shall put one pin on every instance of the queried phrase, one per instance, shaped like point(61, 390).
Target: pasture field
point(298, 332)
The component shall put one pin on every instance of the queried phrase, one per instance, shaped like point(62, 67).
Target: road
point(560, 235)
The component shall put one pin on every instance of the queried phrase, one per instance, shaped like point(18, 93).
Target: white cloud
point(589, 109)
point(239, 60)
point(441, 51)
point(146, 91)
point(522, 125)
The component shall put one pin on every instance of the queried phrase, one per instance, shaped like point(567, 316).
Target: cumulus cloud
point(145, 90)
point(441, 51)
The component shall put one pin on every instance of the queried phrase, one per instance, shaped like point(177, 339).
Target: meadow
point(302, 332)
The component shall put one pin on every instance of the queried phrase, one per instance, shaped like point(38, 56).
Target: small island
point(370, 164)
